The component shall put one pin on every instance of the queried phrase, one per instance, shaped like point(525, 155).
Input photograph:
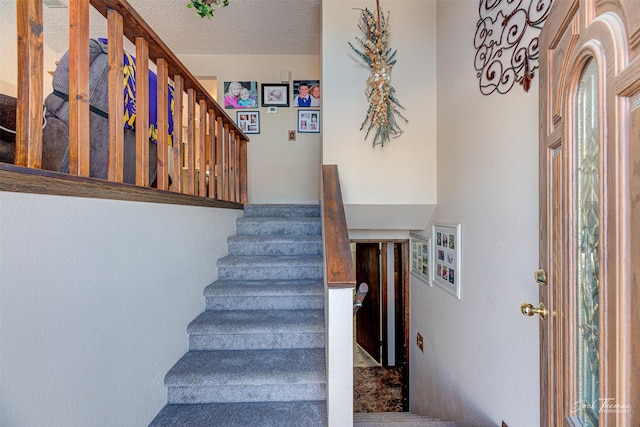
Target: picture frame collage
point(436, 260)
point(244, 95)
point(421, 257)
point(446, 257)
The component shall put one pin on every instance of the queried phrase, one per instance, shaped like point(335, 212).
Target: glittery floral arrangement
point(383, 104)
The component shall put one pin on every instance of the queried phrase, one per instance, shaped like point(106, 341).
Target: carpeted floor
point(377, 389)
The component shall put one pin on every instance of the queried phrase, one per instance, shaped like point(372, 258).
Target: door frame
point(402, 358)
point(368, 319)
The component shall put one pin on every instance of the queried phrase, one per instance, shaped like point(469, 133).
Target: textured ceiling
point(245, 27)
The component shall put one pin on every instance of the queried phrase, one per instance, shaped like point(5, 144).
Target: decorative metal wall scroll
point(506, 42)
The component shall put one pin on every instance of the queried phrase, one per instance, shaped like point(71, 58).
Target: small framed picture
point(240, 94)
point(275, 94)
point(306, 93)
point(309, 121)
point(248, 121)
point(446, 258)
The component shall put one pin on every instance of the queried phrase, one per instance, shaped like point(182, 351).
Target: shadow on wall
point(443, 400)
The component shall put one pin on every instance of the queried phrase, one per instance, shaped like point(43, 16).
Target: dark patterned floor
point(377, 389)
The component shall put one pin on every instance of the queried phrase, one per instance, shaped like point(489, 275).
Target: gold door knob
point(541, 277)
point(529, 310)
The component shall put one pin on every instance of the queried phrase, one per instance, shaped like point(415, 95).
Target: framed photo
point(275, 94)
point(248, 121)
point(309, 121)
point(240, 94)
point(421, 257)
point(446, 258)
point(306, 93)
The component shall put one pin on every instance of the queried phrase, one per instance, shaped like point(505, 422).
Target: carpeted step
point(257, 329)
point(264, 294)
point(275, 245)
point(287, 226)
point(260, 414)
point(398, 419)
point(281, 211)
point(270, 267)
point(257, 354)
point(224, 376)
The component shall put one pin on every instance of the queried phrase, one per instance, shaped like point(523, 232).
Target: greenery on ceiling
point(205, 8)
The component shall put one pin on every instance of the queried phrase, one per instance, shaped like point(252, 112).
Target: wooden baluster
point(142, 112)
point(232, 166)
point(225, 173)
point(212, 153)
point(178, 93)
point(163, 124)
point(191, 145)
point(202, 160)
point(30, 98)
point(243, 171)
point(237, 169)
point(115, 161)
point(219, 157)
point(79, 142)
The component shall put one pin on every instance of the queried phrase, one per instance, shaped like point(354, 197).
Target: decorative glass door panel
point(587, 250)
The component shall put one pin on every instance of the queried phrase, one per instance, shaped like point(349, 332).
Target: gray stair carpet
point(398, 419)
point(256, 354)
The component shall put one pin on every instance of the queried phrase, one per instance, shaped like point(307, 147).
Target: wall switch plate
point(420, 342)
point(292, 135)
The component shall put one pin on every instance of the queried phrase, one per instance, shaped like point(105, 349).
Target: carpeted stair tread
point(270, 267)
point(281, 211)
point(255, 414)
point(248, 367)
point(275, 245)
point(260, 321)
point(283, 226)
point(269, 261)
point(257, 329)
point(264, 287)
point(398, 419)
point(264, 295)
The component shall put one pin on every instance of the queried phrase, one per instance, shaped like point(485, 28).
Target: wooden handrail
point(340, 272)
point(226, 143)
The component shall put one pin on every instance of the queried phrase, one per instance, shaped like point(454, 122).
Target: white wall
point(478, 155)
point(95, 298)
point(480, 362)
point(274, 163)
point(402, 174)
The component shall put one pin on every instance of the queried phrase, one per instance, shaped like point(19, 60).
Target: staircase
point(256, 355)
point(398, 419)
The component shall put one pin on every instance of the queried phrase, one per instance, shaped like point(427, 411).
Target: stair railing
point(340, 272)
point(340, 283)
point(219, 139)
